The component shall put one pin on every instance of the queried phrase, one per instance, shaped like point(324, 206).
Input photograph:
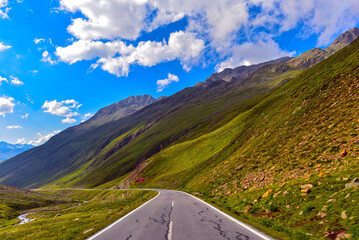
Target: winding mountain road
point(175, 215)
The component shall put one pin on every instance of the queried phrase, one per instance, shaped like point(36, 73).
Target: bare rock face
point(121, 109)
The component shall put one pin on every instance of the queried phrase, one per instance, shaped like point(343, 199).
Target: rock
point(248, 208)
point(305, 190)
point(309, 234)
point(239, 167)
point(303, 194)
point(300, 213)
point(331, 200)
point(353, 184)
point(266, 194)
point(288, 206)
point(343, 153)
point(343, 235)
point(58, 215)
point(320, 174)
point(277, 194)
point(344, 215)
point(324, 208)
point(306, 186)
point(285, 193)
point(89, 230)
point(348, 195)
point(321, 215)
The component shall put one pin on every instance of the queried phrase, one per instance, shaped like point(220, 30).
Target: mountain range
point(8, 150)
point(128, 137)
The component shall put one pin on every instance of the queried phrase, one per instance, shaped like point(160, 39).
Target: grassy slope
point(76, 219)
point(304, 132)
point(14, 201)
point(77, 156)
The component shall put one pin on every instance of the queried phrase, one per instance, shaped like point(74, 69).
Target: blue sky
point(61, 61)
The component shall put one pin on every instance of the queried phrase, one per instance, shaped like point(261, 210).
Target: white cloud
point(65, 109)
point(21, 141)
point(41, 139)
point(252, 53)
point(226, 27)
point(6, 105)
point(2, 45)
point(181, 45)
point(13, 127)
point(3, 80)
point(68, 120)
point(34, 71)
point(25, 116)
point(39, 40)
point(162, 84)
point(4, 9)
point(46, 57)
point(16, 81)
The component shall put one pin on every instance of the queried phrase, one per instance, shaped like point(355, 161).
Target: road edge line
point(119, 220)
point(246, 226)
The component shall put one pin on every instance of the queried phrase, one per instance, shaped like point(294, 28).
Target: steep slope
point(289, 163)
point(89, 156)
point(8, 150)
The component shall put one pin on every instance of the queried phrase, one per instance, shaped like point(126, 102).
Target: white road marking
point(233, 219)
point(119, 220)
point(173, 203)
point(170, 231)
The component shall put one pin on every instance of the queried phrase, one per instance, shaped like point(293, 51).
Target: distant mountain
point(285, 64)
point(241, 72)
point(8, 150)
point(120, 109)
point(317, 55)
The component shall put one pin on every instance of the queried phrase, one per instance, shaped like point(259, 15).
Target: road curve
point(175, 215)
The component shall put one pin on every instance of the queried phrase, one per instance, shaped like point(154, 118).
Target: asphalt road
point(174, 215)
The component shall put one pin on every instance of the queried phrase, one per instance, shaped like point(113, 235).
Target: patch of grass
point(90, 211)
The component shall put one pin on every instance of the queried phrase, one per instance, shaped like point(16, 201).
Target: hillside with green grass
point(286, 163)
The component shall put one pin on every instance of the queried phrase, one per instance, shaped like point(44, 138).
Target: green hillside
point(305, 132)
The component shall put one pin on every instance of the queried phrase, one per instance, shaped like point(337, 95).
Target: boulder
point(353, 184)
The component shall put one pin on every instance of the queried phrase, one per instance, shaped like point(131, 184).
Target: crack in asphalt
point(129, 237)
point(218, 227)
point(165, 219)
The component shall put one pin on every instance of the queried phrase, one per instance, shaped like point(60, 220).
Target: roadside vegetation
point(80, 214)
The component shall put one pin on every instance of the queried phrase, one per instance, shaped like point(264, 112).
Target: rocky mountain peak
point(347, 37)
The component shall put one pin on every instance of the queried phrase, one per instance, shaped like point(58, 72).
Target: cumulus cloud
point(6, 105)
point(181, 45)
point(3, 46)
point(14, 127)
point(162, 84)
point(15, 81)
point(224, 28)
point(3, 80)
point(25, 116)
point(41, 139)
point(251, 53)
point(67, 108)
